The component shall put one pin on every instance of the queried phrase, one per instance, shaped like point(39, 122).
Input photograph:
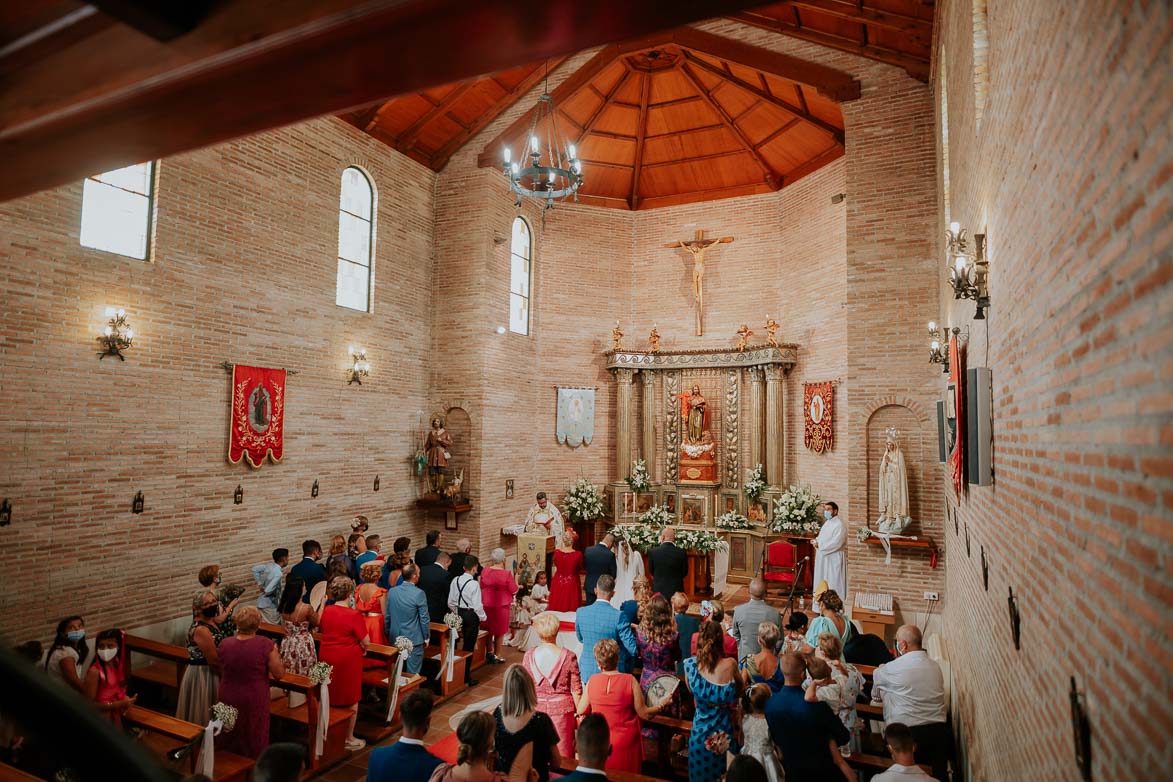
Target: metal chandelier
point(551, 169)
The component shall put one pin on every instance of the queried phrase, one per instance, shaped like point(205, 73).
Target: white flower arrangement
point(453, 620)
point(584, 501)
point(639, 480)
point(404, 645)
point(320, 672)
point(640, 537)
point(656, 516)
point(699, 540)
point(225, 714)
point(863, 534)
point(755, 483)
point(733, 520)
point(797, 511)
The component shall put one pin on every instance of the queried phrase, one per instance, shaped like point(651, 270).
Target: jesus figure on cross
point(697, 247)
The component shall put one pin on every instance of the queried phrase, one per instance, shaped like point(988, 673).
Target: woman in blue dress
point(716, 687)
point(831, 621)
point(763, 667)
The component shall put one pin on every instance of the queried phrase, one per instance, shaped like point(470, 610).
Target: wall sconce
point(361, 368)
point(117, 336)
point(376, 483)
point(314, 489)
point(939, 343)
point(5, 513)
point(985, 570)
point(1083, 733)
point(238, 495)
point(1015, 620)
point(968, 269)
point(136, 505)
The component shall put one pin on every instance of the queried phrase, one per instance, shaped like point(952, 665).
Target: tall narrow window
point(944, 83)
point(116, 210)
point(520, 269)
point(356, 232)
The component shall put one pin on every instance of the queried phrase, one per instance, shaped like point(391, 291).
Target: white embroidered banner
point(576, 416)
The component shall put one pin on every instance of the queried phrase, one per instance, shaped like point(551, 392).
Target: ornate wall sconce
point(361, 368)
point(5, 513)
point(238, 495)
point(939, 343)
point(136, 505)
point(117, 336)
point(985, 570)
point(314, 489)
point(968, 268)
point(376, 483)
point(1015, 620)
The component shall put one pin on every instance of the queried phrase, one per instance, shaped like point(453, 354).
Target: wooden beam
point(916, 67)
point(777, 132)
point(835, 132)
point(589, 125)
point(604, 164)
point(163, 21)
point(609, 134)
point(408, 136)
point(483, 120)
point(674, 102)
point(812, 165)
point(641, 131)
point(119, 97)
point(695, 159)
point(870, 16)
point(711, 194)
point(770, 177)
point(674, 134)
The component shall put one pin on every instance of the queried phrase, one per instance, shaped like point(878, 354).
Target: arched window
point(116, 210)
point(520, 269)
point(356, 238)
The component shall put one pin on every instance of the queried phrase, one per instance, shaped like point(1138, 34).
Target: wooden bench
point(671, 727)
point(229, 767)
point(876, 763)
point(437, 651)
point(480, 653)
point(168, 669)
point(568, 765)
point(12, 774)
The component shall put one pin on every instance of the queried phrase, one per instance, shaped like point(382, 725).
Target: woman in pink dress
point(555, 672)
point(497, 590)
point(619, 699)
point(566, 588)
point(247, 660)
point(105, 682)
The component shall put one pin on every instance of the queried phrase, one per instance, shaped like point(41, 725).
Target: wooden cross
point(697, 247)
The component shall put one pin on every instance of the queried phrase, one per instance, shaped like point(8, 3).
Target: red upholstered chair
point(781, 567)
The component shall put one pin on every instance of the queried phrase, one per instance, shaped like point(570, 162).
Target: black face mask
point(211, 612)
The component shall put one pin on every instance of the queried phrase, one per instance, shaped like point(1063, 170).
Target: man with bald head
point(747, 617)
point(912, 689)
point(806, 732)
point(668, 565)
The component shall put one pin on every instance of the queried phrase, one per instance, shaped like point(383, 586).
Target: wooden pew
point(229, 767)
point(668, 727)
point(480, 653)
point(169, 666)
point(12, 774)
point(437, 650)
point(569, 764)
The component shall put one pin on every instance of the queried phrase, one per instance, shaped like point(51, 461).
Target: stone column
point(732, 428)
point(648, 442)
point(671, 426)
point(623, 378)
point(775, 426)
point(754, 419)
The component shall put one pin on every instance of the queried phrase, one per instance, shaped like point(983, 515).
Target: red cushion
point(784, 578)
point(780, 554)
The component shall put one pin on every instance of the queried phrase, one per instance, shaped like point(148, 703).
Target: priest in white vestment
point(831, 551)
point(545, 519)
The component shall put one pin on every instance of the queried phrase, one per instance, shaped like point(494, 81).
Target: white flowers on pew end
point(701, 541)
point(656, 516)
point(639, 480)
point(733, 521)
point(797, 511)
point(404, 645)
point(453, 620)
point(225, 715)
point(584, 501)
point(640, 537)
point(320, 673)
point(755, 483)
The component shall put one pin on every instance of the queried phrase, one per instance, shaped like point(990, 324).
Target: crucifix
point(697, 247)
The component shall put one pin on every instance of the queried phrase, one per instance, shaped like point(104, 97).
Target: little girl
point(794, 637)
point(105, 682)
point(528, 606)
point(757, 732)
point(540, 594)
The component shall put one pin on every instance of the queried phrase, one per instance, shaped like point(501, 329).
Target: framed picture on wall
point(644, 502)
point(668, 501)
point(758, 511)
point(728, 501)
point(693, 509)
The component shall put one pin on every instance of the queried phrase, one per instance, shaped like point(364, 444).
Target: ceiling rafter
point(695, 158)
point(641, 132)
point(410, 135)
point(770, 177)
point(589, 125)
point(888, 20)
point(777, 132)
point(686, 132)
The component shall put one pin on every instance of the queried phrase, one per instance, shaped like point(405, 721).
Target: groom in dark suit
point(600, 561)
point(593, 742)
point(668, 565)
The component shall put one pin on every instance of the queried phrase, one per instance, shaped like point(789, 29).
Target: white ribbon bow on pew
point(206, 763)
point(451, 653)
point(393, 699)
point(323, 718)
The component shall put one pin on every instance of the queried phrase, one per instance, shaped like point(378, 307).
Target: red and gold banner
point(817, 401)
point(957, 386)
point(257, 427)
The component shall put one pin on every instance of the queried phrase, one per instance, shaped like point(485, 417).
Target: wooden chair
point(780, 567)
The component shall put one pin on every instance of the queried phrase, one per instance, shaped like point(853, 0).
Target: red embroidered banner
point(957, 385)
point(258, 415)
point(817, 399)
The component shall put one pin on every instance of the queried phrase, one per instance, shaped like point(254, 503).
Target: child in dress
point(757, 732)
point(105, 682)
point(525, 608)
point(539, 596)
point(794, 635)
point(822, 685)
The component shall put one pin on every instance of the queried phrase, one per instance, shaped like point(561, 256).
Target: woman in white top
point(68, 653)
point(629, 569)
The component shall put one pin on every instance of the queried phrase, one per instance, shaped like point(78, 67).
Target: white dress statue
point(893, 488)
point(629, 566)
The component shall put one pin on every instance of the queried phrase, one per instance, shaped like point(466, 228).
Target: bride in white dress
point(629, 566)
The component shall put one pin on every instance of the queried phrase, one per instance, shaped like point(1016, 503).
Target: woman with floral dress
point(297, 647)
point(715, 687)
point(658, 643)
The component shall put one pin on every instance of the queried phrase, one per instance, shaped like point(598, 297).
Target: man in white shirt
point(902, 746)
point(912, 689)
point(593, 740)
point(268, 578)
point(545, 518)
point(464, 597)
point(831, 551)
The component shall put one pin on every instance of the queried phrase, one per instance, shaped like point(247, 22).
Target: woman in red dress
point(619, 699)
point(344, 639)
point(565, 587)
point(105, 682)
point(497, 590)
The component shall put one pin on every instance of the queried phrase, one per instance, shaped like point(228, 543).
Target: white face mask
point(107, 654)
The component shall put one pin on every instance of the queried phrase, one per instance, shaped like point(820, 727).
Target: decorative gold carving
point(732, 414)
point(671, 426)
point(743, 335)
point(771, 332)
point(654, 340)
point(616, 338)
point(784, 355)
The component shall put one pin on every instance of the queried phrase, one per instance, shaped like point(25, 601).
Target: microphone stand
point(794, 585)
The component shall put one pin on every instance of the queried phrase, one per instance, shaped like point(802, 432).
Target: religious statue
point(743, 333)
point(616, 337)
point(772, 331)
point(697, 247)
point(893, 487)
point(654, 339)
point(436, 447)
point(695, 412)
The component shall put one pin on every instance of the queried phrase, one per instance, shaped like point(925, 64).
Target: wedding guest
point(596, 622)
point(619, 699)
point(229, 596)
point(658, 643)
point(745, 768)
point(464, 598)
point(714, 611)
point(360, 524)
point(319, 595)
point(686, 626)
point(435, 581)
point(556, 680)
point(794, 635)
point(476, 734)
point(338, 554)
point(463, 549)
point(599, 560)
point(593, 739)
point(298, 653)
point(280, 762)
point(268, 578)
point(763, 668)
point(667, 564)
point(407, 758)
point(210, 578)
point(712, 678)
point(497, 590)
point(806, 733)
point(201, 679)
point(748, 618)
point(831, 621)
point(371, 600)
point(308, 570)
point(370, 553)
point(68, 653)
point(912, 689)
point(427, 555)
point(757, 734)
point(393, 567)
point(344, 639)
point(565, 588)
point(630, 612)
point(850, 682)
point(105, 682)
point(247, 661)
point(902, 745)
point(356, 546)
point(526, 740)
point(407, 616)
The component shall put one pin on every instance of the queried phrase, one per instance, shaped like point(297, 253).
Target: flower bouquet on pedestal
point(797, 512)
point(733, 521)
point(755, 483)
point(584, 501)
point(640, 537)
point(639, 480)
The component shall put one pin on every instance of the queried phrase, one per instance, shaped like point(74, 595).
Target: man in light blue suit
point(407, 615)
point(597, 621)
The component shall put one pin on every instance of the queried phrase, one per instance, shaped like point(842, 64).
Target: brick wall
point(243, 271)
point(1069, 178)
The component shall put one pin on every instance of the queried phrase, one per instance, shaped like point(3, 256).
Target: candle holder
point(136, 505)
point(238, 495)
point(117, 336)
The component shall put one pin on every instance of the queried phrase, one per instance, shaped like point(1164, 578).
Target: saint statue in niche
point(695, 411)
point(436, 447)
point(893, 487)
point(259, 409)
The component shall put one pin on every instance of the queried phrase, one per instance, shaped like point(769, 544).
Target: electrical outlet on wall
point(932, 596)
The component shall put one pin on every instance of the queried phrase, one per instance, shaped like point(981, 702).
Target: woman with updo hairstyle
point(618, 697)
point(338, 553)
point(371, 600)
point(320, 594)
point(498, 586)
point(393, 567)
point(565, 586)
point(556, 679)
point(201, 678)
point(794, 634)
point(474, 757)
point(344, 639)
point(247, 660)
point(831, 621)
point(715, 686)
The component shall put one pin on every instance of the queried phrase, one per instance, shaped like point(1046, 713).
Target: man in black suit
point(668, 565)
point(600, 561)
point(456, 569)
point(435, 582)
point(308, 570)
point(427, 555)
point(593, 742)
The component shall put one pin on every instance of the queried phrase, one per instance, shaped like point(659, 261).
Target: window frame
point(371, 223)
point(152, 205)
point(529, 295)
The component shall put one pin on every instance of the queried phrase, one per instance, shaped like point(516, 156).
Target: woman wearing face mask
point(105, 682)
point(201, 680)
point(69, 650)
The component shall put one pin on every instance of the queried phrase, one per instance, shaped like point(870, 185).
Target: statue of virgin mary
point(893, 487)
